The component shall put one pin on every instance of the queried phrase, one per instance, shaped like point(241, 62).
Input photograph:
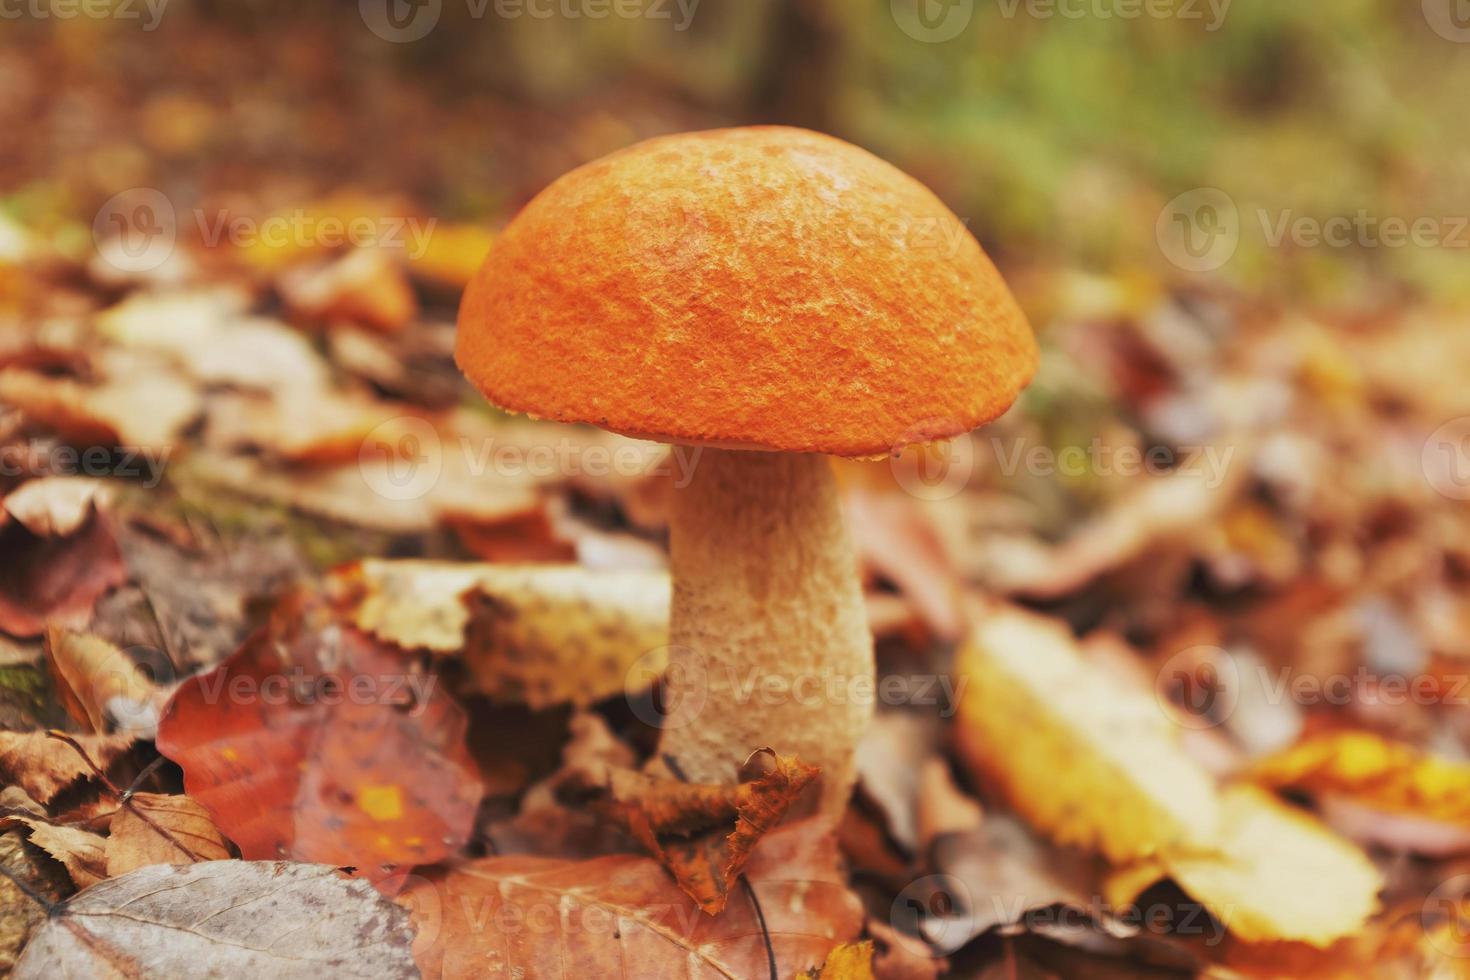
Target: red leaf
point(314, 743)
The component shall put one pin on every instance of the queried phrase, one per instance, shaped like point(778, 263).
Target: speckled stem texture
point(768, 625)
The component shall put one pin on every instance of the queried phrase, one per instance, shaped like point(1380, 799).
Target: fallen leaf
point(1276, 873)
point(702, 834)
point(1087, 760)
point(155, 828)
point(366, 286)
point(538, 634)
point(623, 916)
point(315, 743)
point(137, 403)
point(99, 684)
point(44, 766)
point(79, 851)
point(451, 255)
point(56, 581)
point(850, 961)
point(57, 506)
point(19, 915)
point(231, 918)
point(1379, 773)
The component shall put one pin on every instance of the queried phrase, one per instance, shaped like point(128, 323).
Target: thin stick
point(125, 799)
point(761, 918)
point(28, 891)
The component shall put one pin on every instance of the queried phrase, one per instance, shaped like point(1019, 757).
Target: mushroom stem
point(769, 634)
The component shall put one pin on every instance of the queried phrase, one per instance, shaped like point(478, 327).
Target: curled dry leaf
point(98, 684)
point(229, 918)
point(622, 916)
point(81, 852)
point(540, 634)
point(44, 766)
point(156, 828)
point(702, 834)
point(316, 743)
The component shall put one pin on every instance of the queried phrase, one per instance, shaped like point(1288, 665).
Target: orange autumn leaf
point(703, 834)
point(622, 916)
point(156, 828)
point(313, 742)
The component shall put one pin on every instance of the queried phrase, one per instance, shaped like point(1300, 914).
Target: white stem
point(768, 625)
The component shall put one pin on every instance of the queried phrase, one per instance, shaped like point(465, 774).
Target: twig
point(761, 918)
point(28, 891)
point(124, 798)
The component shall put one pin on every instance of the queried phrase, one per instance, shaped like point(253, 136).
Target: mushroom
point(766, 295)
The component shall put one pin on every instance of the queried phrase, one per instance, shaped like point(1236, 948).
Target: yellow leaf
point(1090, 760)
point(538, 634)
point(1085, 758)
point(451, 255)
point(1377, 772)
point(850, 961)
point(97, 683)
point(1276, 874)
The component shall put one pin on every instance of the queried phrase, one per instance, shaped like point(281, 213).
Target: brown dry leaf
point(1276, 873)
point(81, 852)
point(366, 286)
point(19, 915)
point(622, 916)
point(56, 580)
point(315, 426)
point(156, 828)
point(1086, 759)
point(702, 834)
point(208, 334)
point(43, 766)
point(98, 684)
point(57, 506)
point(138, 403)
point(850, 961)
point(896, 540)
point(235, 918)
point(1384, 775)
point(538, 634)
point(371, 491)
point(313, 742)
point(1159, 509)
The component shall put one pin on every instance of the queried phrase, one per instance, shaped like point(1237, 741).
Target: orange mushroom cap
point(762, 288)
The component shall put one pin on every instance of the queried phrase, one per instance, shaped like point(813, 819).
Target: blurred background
point(1059, 129)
